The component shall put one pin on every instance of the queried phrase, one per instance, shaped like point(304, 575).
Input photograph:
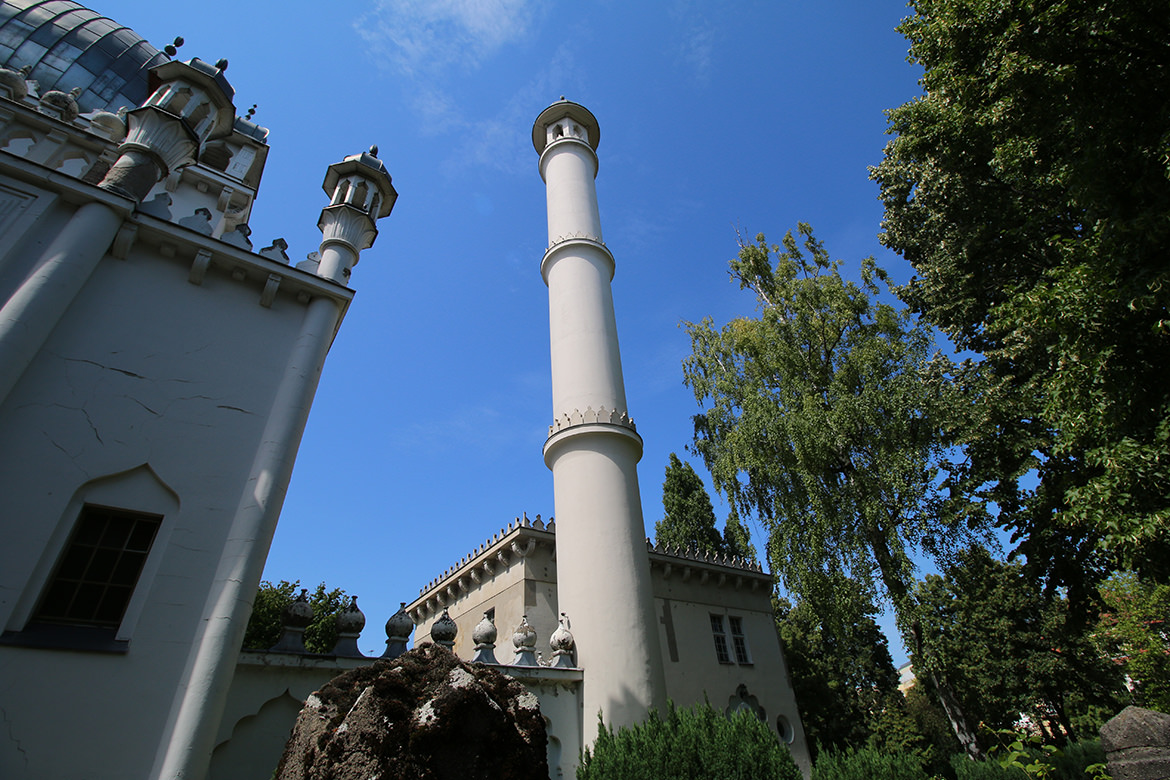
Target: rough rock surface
point(1137, 744)
point(425, 715)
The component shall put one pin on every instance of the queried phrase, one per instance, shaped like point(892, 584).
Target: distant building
point(156, 374)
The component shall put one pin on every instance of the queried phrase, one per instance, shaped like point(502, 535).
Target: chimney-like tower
point(603, 571)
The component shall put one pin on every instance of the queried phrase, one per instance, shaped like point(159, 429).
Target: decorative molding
point(124, 240)
point(270, 288)
point(589, 417)
point(199, 267)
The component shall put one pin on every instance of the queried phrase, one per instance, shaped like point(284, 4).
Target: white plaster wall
point(145, 369)
point(697, 674)
point(267, 693)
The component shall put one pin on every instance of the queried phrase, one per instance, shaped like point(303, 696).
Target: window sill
point(48, 636)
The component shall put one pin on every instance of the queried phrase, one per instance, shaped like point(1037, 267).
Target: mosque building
point(156, 374)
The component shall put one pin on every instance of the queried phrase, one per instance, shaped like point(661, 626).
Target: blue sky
point(425, 437)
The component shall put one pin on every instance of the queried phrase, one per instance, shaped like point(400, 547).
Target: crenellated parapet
point(509, 546)
point(689, 564)
point(590, 417)
point(693, 553)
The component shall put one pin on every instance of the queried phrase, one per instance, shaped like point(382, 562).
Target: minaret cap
point(369, 167)
point(211, 79)
point(559, 110)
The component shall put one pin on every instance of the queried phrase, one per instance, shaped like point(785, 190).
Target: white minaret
point(603, 571)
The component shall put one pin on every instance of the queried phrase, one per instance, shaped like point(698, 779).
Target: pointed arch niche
point(137, 491)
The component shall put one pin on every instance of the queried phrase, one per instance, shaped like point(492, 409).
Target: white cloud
point(426, 37)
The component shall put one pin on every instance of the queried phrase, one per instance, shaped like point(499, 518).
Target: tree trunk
point(903, 608)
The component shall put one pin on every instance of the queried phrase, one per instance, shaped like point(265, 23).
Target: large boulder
point(1137, 744)
point(425, 715)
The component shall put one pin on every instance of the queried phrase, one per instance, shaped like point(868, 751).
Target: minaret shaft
point(603, 570)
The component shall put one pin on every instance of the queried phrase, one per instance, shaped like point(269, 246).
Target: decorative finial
point(374, 150)
point(562, 97)
point(398, 630)
point(171, 49)
point(251, 113)
point(221, 65)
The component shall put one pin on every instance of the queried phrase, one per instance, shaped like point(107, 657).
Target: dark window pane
point(117, 532)
point(142, 536)
point(58, 599)
point(100, 567)
point(85, 603)
point(112, 606)
point(126, 572)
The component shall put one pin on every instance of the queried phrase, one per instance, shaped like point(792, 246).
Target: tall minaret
point(603, 571)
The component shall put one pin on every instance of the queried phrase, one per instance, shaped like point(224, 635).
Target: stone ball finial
point(295, 618)
point(562, 643)
point(443, 631)
point(485, 632)
point(373, 150)
point(524, 639)
point(350, 622)
point(299, 612)
point(221, 64)
point(399, 626)
point(351, 619)
point(398, 630)
point(484, 635)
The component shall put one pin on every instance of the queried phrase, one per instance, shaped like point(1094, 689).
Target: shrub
point(966, 769)
point(696, 743)
point(867, 764)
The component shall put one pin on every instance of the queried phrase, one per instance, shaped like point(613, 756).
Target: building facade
point(155, 378)
point(156, 374)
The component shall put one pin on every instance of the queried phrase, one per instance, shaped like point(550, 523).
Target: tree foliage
point(1029, 189)
point(820, 417)
point(839, 662)
point(695, 743)
point(1134, 631)
point(1008, 649)
point(689, 519)
point(265, 625)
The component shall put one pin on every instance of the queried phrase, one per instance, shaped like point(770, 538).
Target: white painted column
point(185, 751)
point(29, 316)
point(347, 227)
point(603, 570)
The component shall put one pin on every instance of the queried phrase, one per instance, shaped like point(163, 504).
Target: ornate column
point(593, 448)
point(192, 103)
point(194, 720)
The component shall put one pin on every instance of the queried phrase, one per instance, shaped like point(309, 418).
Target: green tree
point(264, 626)
point(696, 743)
point(689, 520)
point(1008, 649)
point(818, 418)
point(1029, 189)
point(1134, 631)
point(839, 661)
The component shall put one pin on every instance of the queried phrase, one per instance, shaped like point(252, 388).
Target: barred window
point(720, 639)
point(96, 575)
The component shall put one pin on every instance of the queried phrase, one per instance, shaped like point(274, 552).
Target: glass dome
point(67, 45)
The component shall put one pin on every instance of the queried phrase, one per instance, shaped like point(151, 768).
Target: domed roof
point(67, 45)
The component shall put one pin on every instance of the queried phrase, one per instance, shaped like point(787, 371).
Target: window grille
point(96, 575)
point(720, 639)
